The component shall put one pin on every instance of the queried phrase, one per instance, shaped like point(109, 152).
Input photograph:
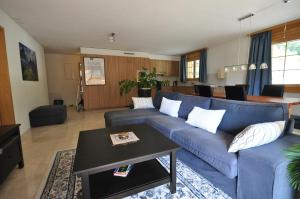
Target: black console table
point(10, 150)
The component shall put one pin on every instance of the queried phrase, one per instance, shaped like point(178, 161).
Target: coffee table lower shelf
point(143, 176)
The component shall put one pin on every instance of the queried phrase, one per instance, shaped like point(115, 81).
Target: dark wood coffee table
point(96, 159)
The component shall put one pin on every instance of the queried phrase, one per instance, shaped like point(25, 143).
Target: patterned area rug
point(61, 183)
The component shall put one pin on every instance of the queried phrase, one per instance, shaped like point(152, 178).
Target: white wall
point(27, 95)
point(63, 76)
point(225, 55)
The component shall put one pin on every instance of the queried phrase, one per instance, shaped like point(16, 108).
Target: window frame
point(284, 66)
point(194, 71)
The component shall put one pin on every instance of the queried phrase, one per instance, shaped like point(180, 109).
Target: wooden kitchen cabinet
point(166, 67)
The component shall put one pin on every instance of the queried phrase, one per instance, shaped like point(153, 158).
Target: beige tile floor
point(39, 147)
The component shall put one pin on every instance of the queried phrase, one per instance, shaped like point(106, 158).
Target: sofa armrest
point(262, 171)
point(289, 127)
point(107, 119)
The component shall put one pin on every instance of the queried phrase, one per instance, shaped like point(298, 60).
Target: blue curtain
point(203, 66)
point(260, 52)
point(183, 68)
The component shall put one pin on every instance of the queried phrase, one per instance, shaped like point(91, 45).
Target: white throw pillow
point(257, 135)
point(142, 102)
point(170, 107)
point(205, 119)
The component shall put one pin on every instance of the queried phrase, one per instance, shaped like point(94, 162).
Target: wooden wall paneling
point(108, 92)
point(114, 96)
point(122, 63)
point(6, 104)
point(103, 90)
point(91, 100)
point(117, 68)
point(92, 94)
point(130, 71)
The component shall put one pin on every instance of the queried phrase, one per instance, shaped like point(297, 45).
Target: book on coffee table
point(123, 171)
point(123, 138)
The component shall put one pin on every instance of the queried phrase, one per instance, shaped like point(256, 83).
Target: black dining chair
point(203, 90)
point(158, 85)
point(196, 89)
point(296, 119)
point(245, 86)
point(235, 93)
point(273, 90)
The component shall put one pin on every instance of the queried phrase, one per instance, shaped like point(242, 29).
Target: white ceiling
point(168, 27)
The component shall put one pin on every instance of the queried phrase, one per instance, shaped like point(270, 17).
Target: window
point(286, 62)
point(192, 69)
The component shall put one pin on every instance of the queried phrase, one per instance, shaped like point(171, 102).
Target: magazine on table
point(123, 138)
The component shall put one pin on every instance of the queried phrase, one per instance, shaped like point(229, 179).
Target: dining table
point(219, 92)
point(290, 101)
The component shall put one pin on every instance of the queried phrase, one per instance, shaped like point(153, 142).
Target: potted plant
point(293, 153)
point(146, 80)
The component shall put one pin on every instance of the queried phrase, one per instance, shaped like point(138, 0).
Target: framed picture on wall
point(28, 63)
point(94, 71)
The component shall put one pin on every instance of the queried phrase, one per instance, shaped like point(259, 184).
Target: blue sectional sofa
point(259, 172)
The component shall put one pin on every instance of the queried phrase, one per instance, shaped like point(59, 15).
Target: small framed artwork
point(28, 63)
point(94, 71)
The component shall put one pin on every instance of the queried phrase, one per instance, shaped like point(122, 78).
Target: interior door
point(6, 104)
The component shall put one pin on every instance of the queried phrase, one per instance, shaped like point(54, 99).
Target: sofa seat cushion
point(166, 124)
point(212, 148)
point(128, 116)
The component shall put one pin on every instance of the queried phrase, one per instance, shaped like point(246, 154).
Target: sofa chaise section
point(263, 170)
point(212, 148)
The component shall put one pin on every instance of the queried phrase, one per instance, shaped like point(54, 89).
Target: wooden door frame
point(7, 115)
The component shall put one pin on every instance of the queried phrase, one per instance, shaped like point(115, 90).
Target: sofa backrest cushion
point(160, 94)
point(240, 114)
point(189, 102)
